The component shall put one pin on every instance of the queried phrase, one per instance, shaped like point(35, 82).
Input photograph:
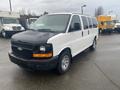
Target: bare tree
point(22, 12)
point(33, 14)
point(99, 11)
point(45, 13)
point(29, 12)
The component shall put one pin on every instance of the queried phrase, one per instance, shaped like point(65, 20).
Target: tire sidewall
point(3, 33)
point(94, 44)
point(93, 47)
point(59, 67)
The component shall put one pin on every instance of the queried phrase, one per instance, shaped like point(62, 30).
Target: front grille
point(17, 28)
point(24, 53)
point(25, 50)
point(23, 45)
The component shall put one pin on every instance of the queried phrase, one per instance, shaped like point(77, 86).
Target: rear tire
point(64, 62)
point(93, 47)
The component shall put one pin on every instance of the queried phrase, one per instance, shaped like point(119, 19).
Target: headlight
point(46, 48)
point(22, 28)
point(43, 51)
point(42, 48)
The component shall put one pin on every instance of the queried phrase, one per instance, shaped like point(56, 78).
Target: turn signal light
point(43, 55)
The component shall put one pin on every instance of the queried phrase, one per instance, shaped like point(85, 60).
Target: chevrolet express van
point(52, 41)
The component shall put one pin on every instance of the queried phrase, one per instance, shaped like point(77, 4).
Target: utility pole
point(10, 6)
point(82, 8)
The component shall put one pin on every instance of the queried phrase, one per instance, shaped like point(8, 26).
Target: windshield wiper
point(45, 30)
point(31, 29)
point(42, 30)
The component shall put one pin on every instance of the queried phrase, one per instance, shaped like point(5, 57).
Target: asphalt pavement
point(91, 70)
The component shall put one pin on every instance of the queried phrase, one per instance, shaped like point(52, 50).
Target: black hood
point(34, 37)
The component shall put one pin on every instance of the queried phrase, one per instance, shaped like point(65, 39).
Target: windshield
point(106, 23)
point(117, 21)
point(10, 21)
point(51, 23)
point(109, 22)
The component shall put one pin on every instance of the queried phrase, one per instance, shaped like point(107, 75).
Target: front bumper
point(107, 30)
point(44, 64)
point(10, 33)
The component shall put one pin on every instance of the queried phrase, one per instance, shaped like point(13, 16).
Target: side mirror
point(75, 27)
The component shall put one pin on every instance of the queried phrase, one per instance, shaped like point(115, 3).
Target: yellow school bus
point(105, 24)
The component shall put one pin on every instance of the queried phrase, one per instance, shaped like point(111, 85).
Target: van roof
point(71, 14)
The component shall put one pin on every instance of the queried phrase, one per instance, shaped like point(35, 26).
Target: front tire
point(4, 34)
point(64, 62)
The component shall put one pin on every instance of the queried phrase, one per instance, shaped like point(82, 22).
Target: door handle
point(82, 33)
point(88, 32)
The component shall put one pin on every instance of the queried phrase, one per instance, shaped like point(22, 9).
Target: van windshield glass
point(109, 22)
point(117, 21)
point(10, 21)
point(51, 23)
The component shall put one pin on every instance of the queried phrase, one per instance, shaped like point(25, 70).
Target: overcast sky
point(40, 6)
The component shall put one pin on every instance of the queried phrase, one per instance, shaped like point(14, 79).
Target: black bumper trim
point(45, 64)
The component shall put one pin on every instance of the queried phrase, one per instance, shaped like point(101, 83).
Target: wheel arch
point(65, 49)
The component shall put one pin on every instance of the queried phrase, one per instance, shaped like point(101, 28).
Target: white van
point(53, 40)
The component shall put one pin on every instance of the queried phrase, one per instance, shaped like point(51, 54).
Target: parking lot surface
point(91, 70)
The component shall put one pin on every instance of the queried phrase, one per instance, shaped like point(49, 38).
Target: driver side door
point(75, 35)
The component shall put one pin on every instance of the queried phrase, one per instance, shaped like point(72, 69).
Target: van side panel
point(67, 40)
point(73, 40)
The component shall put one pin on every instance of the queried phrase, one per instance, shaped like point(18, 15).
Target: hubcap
point(65, 62)
point(94, 44)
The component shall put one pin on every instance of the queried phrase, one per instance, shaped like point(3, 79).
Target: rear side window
point(94, 23)
point(90, 23)
point(85, 22)
point(75, 24)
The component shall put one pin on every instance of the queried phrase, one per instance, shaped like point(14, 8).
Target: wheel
point(64, 62)
point(93, 47)
point(4, 34)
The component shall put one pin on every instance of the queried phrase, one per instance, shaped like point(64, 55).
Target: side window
point(85, 22)
point(90, 22)
point(75, 24)
point(94, 23)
